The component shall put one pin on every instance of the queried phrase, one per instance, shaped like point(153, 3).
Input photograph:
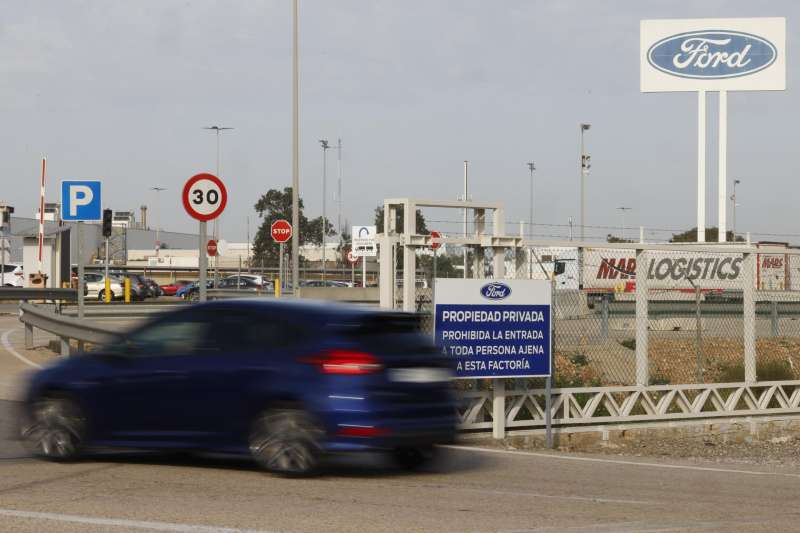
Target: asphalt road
point(474, 490)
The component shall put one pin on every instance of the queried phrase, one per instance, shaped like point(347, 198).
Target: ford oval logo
point(713, 54)
point(495, 291)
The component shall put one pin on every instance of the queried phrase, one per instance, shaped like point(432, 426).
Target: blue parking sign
point(80, 200)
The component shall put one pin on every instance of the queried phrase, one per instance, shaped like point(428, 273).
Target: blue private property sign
point(495, 328)
point(80, 200)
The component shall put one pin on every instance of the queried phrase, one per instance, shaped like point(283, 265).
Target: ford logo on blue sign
point(495, 291)
point(712, 54)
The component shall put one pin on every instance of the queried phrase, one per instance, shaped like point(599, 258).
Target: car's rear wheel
point(101, 296)
point(286, 442)
point(54, 428)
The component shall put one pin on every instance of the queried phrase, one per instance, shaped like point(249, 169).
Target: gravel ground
point(719, 448)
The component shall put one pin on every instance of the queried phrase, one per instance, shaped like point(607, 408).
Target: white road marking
point(621, 462)
point(135, 524)
point(10, 349)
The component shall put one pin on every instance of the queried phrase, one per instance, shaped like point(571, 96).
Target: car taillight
point(361, 431)
point(345, 362)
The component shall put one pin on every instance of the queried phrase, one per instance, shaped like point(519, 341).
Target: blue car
point(285, 382)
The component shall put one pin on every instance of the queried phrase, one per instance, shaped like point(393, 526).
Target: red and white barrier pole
point(41, 213)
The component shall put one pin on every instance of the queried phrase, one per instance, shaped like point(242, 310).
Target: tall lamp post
point(622, 212)
point(325, 148)
point(215, 227)
point(158, 234)
point(295, 149)
point(733, 200)
point(531, 168)
point(584, 170)
point(585, 166)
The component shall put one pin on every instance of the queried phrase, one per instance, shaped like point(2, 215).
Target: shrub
point(629, 343)
point(773, 370)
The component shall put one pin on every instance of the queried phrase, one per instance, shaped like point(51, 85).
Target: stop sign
point(436, 235)
point(281, 230)
point(211, 248)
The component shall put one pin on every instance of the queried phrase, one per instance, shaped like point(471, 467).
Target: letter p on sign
point(81, 200)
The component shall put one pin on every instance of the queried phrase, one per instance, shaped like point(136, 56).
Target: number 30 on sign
point(204, 197)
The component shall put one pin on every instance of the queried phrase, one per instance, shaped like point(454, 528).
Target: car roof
point(318, 308)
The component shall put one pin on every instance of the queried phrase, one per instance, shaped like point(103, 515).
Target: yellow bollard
point(127, 290)
point(107, 294)
point(277, 284)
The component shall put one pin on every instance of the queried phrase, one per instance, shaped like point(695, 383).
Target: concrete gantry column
point(478, 261)
point(386, 256)
point(386, 273)
point(409, 257)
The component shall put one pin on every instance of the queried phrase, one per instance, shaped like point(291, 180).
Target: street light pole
point(158, 241)
point(622, 212)
point(325, 147)
point(585, 166)
point(215, 225)
point(733, 199)
point(584, 169)
point(465, 199)
point(295, 150)
point(339, 186)
point(531, 167)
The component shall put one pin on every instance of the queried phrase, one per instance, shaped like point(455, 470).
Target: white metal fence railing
point(525, 409)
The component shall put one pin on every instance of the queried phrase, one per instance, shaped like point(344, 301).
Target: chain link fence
point(695, 311)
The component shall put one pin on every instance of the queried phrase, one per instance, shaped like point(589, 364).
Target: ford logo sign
point(495, 291)
point(713, 54)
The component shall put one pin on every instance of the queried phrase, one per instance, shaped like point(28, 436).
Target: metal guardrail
point(113, 311)
point(24, 293)
point(65, 327)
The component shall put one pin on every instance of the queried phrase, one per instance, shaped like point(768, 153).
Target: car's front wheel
point(54, 428)
point(286, 442)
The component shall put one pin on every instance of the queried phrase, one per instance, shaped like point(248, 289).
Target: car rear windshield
point(386, 333)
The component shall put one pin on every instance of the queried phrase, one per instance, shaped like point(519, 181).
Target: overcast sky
point(120, 91)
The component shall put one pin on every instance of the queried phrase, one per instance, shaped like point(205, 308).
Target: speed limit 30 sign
point(204, 197)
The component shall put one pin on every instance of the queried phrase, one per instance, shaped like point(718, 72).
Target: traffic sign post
point(204, 198)
point(80, 202)
point(353, 259)
point(364, 246)
point(281, 232)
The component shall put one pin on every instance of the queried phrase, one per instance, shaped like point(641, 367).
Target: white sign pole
point(701, 166)
point(80, 269)
point(202, 260)
point(723, 163)
point(364, 272)
point(280, 264)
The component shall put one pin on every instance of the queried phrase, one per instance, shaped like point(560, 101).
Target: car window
point(184, 334)
point(245, 330)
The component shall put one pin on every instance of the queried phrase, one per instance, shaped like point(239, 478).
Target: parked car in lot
point(244, 284)
point(286, 383)
point(155, 290)
point(95, 286)
point(139, 287)
point(171, 288)
point(13, 275)
point(192, 291)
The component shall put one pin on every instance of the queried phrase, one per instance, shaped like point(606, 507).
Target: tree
point(275, 205)
point(614, 238)
point(422, 228)
point(711, 236)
